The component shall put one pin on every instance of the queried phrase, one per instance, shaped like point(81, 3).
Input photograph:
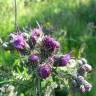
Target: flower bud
point(82, 69)
point(44, 70)
point(86, 67)
point(82, 89)
point(88, 87)
point(65, 59)
point(80, 79)
point(33, 58)
point(36, 33)
point(62, 60)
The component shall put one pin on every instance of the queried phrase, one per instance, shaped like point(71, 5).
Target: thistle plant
point(46, 65)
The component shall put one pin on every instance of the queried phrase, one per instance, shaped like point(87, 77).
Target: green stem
point(15, 15)
point(34, 87)
point(37, 84)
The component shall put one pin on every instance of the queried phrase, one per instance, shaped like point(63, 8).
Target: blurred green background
point(72, 22)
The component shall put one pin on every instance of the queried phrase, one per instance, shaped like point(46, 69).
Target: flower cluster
point(43, 59)
point(79, 80)
point(85, 86)
point(84, 67)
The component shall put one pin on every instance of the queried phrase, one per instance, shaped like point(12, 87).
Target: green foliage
point(72, 22)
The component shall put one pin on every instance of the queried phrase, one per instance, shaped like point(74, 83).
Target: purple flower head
point(65, 59)
point(62, 60)
point(50, 43)
point(44, 71)
point(88, 87)
point(82, 89)
point(33, 58)
point(37, 32)
point(18, 41)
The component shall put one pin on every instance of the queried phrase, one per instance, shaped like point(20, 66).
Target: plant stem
point(37, 84)
point(15, 15)
point(15, 23)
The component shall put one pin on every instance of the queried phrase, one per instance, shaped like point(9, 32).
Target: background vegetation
point(72, 22)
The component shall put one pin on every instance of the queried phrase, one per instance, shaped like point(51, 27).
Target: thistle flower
point(33, 58)
point(65, 59)
point(61, 60)
point(46, 46)
point(85, 86)
point(18, 41)
point(44, 70)
point(88, 87)
point(36, 33)
point(50, 43)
